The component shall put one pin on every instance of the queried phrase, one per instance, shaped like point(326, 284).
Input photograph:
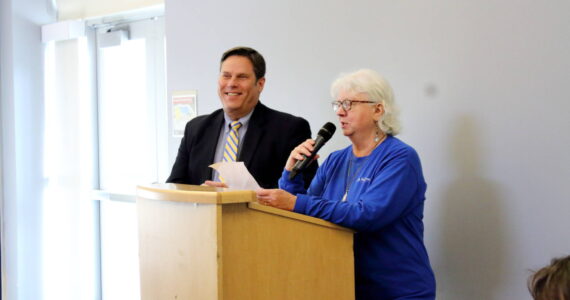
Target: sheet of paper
point(235, 175)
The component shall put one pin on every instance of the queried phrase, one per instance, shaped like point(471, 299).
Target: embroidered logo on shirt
point(363, 179)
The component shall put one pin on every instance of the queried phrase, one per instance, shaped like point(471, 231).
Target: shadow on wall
point(473, 237)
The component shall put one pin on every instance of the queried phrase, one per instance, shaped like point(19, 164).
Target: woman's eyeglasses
point(347, 104)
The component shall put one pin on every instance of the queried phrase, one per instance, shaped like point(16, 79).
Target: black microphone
point(323, 136)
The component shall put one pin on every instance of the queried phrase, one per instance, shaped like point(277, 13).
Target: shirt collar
point(243, 120)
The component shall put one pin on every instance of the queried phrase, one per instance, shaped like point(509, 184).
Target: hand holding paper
point(236, 176)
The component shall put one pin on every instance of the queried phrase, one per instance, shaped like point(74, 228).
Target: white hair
point(378, 90)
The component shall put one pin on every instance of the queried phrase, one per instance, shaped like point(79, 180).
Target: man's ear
point(260, 83)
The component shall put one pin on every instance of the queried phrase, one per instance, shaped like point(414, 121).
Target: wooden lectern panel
point(178, 250)
point(198, 243)
point(272, 257)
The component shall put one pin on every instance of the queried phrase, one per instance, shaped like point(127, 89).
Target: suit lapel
point(208, 144)
point(255, 132)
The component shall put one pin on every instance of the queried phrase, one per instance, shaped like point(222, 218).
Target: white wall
point(21, 82)
point(483, 88)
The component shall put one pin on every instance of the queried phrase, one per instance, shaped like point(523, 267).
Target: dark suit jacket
point(270, 138)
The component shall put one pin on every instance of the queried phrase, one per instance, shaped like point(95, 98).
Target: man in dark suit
point(265, 137)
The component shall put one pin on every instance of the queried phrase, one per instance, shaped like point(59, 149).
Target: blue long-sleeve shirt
point(384, 204)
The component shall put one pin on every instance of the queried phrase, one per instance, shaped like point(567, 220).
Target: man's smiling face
point(238, 87)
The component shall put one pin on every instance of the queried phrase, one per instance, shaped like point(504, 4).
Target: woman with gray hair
point(374, 186)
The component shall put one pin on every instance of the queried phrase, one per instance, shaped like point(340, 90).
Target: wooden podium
point(204, 243)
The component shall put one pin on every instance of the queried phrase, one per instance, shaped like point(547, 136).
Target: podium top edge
point(193, 193)
point(296, 216)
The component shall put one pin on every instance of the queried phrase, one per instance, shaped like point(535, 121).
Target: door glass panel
point(130, 109)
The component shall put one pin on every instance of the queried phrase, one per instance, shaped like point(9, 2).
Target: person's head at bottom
point(551, 282)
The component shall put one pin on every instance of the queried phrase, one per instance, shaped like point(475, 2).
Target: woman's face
point(361, 118)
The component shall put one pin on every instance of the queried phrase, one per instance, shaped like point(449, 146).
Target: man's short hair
point(255, 57)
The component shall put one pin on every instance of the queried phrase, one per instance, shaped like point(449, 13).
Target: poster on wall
point(183, 110)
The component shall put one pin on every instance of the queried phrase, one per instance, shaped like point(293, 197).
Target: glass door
point(132, 128)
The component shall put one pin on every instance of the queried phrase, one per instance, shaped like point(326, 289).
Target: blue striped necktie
point(232, 142)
